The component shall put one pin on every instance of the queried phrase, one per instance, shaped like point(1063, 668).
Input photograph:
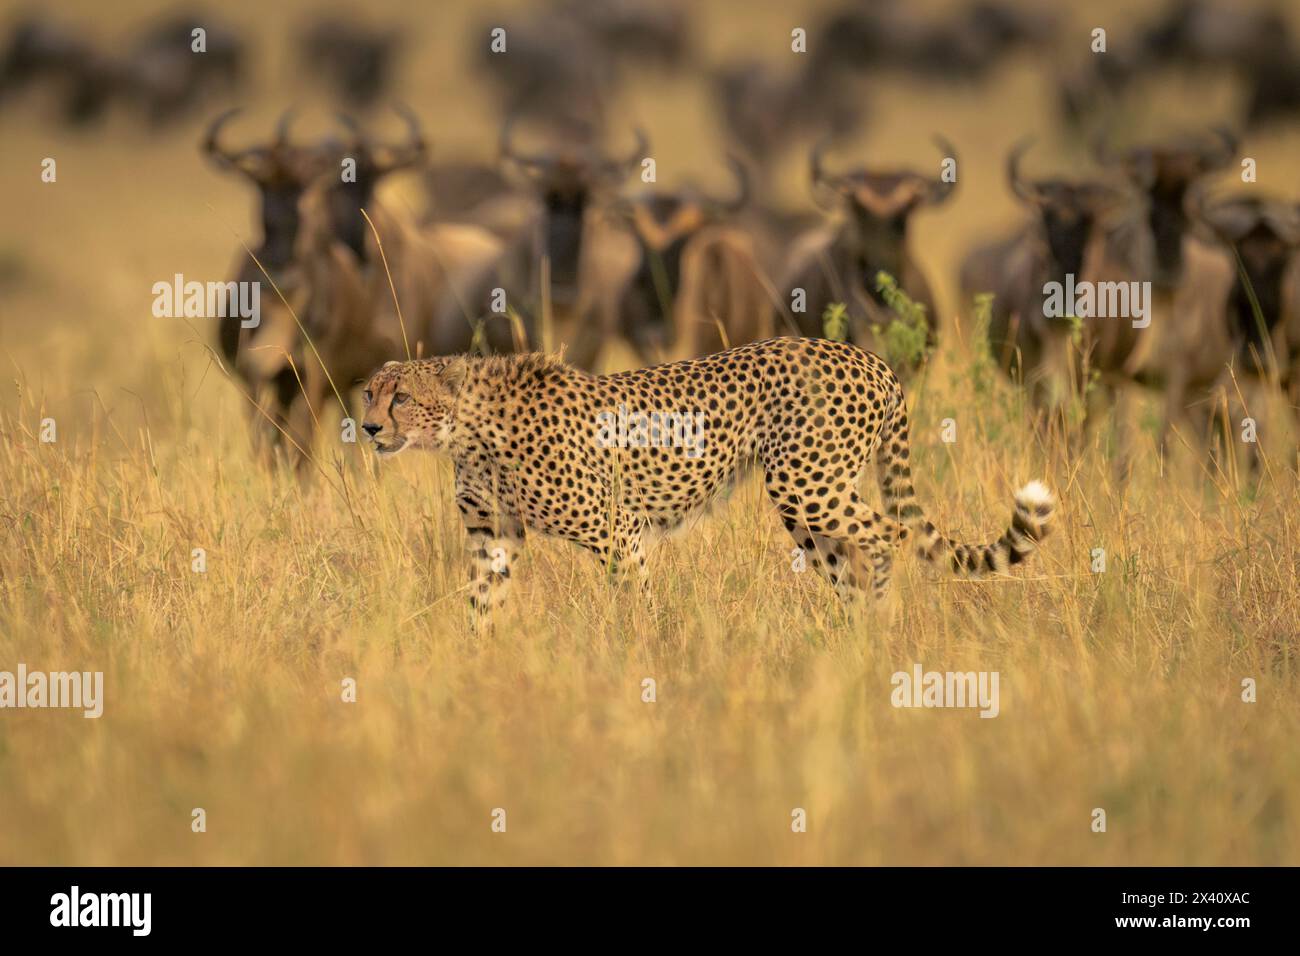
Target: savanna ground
point(1120, 690)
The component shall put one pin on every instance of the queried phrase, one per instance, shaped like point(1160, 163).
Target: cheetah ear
point(391, 363)
point(454, 372)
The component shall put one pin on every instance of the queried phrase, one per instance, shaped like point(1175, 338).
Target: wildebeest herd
point(560, 240)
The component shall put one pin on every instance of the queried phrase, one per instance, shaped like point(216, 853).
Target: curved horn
point(816, 169)
point(741, 199)
point(638, 153)
point(506, 147)
point(282, 127)
point(1224, 149)
point(359, 138)
point(1023, 190)
point(940, 190)
point(1101, 150)
point(1195, 205)
point(212, 138)
point(416, 142)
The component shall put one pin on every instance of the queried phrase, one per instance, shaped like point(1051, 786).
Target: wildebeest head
point(1264, 235)
point(370, 162)
point(1067, 211)
point(564, 180)
point(881, 203)
point(663, 219)
point(1165, 173)
point(281, 171)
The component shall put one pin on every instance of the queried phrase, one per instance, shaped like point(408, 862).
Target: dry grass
point(1119, 690)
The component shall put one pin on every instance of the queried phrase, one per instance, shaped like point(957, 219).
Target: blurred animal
point(284, 175)
point(570, 262)
point(161, 74)
point(356, 61)
point(767, 111)
point(568, 57)
point(839, 261)
point(1252, 44)
point(1067, 235)
point(964, 45)
point(1164, 173)
point(166, 77)
point(477, 192)
point(697, 288)
point(43, 53)
point(400, 288)
point(1238, 307)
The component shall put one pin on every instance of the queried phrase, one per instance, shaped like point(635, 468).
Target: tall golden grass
point(1120, 690)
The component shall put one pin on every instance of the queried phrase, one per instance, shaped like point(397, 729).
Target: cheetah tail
point(1034, 506)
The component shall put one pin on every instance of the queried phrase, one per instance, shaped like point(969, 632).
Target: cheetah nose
point(371, 429)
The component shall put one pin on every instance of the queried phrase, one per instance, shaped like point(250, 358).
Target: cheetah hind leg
point(855, 572)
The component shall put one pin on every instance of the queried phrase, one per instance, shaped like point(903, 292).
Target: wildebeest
point(569, 262)
point(567, 57)
point(549, 68)
point(399, 287)
point(964, 45)
point(1254, 45)
point(44, 53)
point(839, 262)
point(1067, 234)
point(343, 286)
point(650, 32)
point(283, 174)
point(696, 288)
point(166, 76)
point(161, 74)
point(1239, 306)
point(479, 192)
point(356, 60)
point(1164, 173)
point(766, 111)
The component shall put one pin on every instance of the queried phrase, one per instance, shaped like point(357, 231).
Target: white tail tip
point(1034, 496)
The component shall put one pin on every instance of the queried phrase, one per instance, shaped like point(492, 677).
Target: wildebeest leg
point(309, 403)
point(269, 417)
point(1105, 402)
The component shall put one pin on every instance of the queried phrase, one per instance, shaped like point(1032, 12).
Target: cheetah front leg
point(623, 553)
point(492, 543)
point(626, 557)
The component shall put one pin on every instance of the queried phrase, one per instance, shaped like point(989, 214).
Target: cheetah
point(533, 450)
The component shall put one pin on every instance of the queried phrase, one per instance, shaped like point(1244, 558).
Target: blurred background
point(114, 96)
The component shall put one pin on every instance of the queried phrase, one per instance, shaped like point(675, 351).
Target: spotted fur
point(524, 434)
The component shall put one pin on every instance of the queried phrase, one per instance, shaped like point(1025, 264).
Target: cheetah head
point(411, 404)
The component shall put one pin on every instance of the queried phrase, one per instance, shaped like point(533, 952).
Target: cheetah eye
point(401, 398)
point(368, 396)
